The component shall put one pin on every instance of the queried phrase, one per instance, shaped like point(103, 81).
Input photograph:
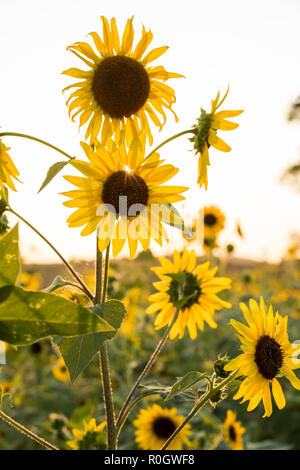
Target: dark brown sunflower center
point(123, 190)
point(121, 86)
point(210, 220)
point(184, 285)
point(163, 427)
point(232, 433)
point(268, 357)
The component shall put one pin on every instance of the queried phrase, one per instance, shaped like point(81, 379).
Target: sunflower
point(30, 280)
point(7, 169)
point(154, 425)
point(233, 431)
point(60, 371)
point(92, 437)
point(213, 221)
point(197, 287)
point(6, 387)
point(205, 134)
point(120, 91)
point(122, 197)
point(267, 354)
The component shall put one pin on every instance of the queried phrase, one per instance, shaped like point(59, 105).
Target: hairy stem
point(68, 266)
point(197, 407)
point(173, 137)
point(100, 297)
point(36, 139)
point(148, 366)
point(19, 427)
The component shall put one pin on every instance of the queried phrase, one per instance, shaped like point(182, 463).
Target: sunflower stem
point(197, 407)
point(66, 263)
point(36, 139)
point(100, 297)
point(19, 427)
point(188, 131)
point(148, 366)
point(130, 408)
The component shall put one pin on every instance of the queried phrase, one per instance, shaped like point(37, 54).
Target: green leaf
point(27, 317)
point(9, 257)
point(79, 352)
point(53, 171)
point(57, 283)
point(155, 387)
point(185, 383)
point(175, 220)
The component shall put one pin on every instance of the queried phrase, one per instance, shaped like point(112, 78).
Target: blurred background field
point(38, 392)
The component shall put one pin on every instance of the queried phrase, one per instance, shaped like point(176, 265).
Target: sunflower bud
point(219, 365)
point(201, 131)
point(219, 396)
point(230, 248)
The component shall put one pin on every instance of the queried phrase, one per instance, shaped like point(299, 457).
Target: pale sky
point(251, 45)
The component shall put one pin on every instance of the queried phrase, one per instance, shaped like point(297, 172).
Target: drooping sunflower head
point(205, 134)
point(233, 431)
point(92, 437)
point(267, 354)
point(154, 425)
point(122, 197)
point(60, 371)
point(120, 91)
point(191, 290)
point(8, 171)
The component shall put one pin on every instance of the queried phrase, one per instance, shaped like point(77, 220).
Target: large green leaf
point(9, 257)
point(79, 352)
point(26, 317)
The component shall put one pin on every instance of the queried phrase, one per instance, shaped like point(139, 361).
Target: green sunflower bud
point(219, 365)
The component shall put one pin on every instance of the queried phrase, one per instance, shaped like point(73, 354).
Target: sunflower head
point(154, 425)
point(205, 134)
point(213, 221)
point(267, 355)
point(60, 371)
point(122, 197)
point(8, 171)
point(233, 431)
point(191, 290)
point(92, 437)
point(120, 92)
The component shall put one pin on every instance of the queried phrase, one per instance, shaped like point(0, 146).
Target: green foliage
point(187, 382)
point(79, 352)
point(57, 283)
point(26, 317)
point(9, 257)
point(175, 220)
point(52, 172)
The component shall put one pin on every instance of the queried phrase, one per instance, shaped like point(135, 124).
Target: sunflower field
point(191, 347)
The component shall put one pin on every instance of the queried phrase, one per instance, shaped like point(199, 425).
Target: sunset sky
point(251, 45)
